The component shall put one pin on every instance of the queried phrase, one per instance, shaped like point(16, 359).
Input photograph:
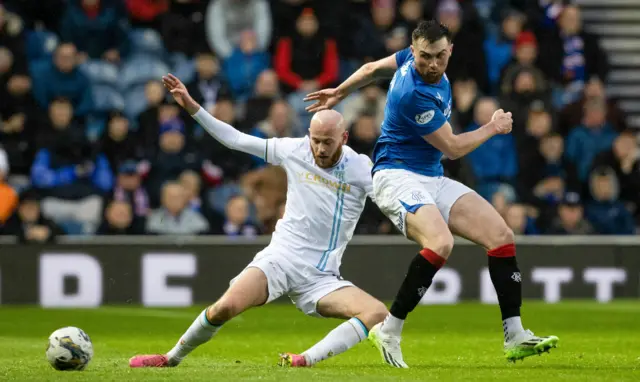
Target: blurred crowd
point(91, 143)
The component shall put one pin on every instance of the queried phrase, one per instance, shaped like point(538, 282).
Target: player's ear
point(345, 137)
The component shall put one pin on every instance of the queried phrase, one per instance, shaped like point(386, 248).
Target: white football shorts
point(288, 274)
point(400, 191)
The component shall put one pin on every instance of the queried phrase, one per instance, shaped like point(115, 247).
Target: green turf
point(442, 343)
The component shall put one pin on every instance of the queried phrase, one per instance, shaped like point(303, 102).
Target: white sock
point(512, 326)
point(200, 331)
point(392, 325)
point(342, 338)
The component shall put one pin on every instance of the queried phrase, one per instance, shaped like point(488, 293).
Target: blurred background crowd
point(91, 143)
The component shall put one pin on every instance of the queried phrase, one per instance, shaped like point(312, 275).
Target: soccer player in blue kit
point(427, 207)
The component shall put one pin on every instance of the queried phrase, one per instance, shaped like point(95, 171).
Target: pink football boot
point(292, 360)
point(150, 360)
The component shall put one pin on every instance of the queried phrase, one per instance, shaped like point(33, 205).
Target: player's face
point(326, 145)
point(431, 59)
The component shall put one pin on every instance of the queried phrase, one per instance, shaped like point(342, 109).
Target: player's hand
point(502, 122)
point(325, 99)
point(180, 93)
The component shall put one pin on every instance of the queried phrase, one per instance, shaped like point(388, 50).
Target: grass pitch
point(442, 343)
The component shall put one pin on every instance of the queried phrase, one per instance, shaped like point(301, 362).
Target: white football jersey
point(323, 205)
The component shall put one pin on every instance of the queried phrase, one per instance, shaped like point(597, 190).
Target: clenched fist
point(502, 122)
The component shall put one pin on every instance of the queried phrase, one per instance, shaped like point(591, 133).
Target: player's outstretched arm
point(455, 146)
point(328, 98)
point(219, 130)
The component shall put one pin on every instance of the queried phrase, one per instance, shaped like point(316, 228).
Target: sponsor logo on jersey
point(417, 196)
point(307, 177)
point(425, 117)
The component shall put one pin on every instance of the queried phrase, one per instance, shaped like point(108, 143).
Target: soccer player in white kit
point(328, 184)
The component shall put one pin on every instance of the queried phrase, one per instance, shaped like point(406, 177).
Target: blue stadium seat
point(141, 69)
point(71, 227)
point(41, 44)
point(106, 98)
point(183, 67)
point(101, 72)
point(135, 102)
point(147, 41)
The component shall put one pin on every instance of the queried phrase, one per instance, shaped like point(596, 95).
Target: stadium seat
point(72, 227)
point(135, 102)
point(101, 72)
point(141, 69)
point(107, 98)
point(147, 41)
point(183, 67)
point(41, 44)
point(95, 125)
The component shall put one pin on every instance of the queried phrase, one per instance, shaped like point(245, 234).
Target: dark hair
point(431, 31)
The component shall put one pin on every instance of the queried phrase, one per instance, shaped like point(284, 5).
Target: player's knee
point(375, 314)
point(223, 310)
point(442, 244)
point(503, 235)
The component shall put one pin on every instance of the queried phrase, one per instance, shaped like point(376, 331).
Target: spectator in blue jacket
point(243, 66)
point(498, 46)
point(606, 212)
point(594, 136)
point(495, 162)
point(72, 178)
point(96, 27)
point(62, 78)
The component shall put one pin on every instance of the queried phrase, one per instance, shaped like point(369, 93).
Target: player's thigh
point(351, 301)
point(427, 227)
point(261, 282)
point(473, 218)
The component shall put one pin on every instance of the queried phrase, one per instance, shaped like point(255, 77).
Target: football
point(69, 348)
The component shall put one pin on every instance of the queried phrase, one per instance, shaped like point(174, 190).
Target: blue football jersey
point(414, 109)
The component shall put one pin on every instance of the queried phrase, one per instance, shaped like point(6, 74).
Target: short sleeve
point(422, 114)
point(402, 56)
point(363, 175)
point(277, 149)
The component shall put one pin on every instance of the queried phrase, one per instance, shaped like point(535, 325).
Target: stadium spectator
point(191, 183)
point(60, 121)
point(572, 114)
point(499, 46)
point(570, 219)
point(368, 34)
point(495, 162)
point(363, 134)
point(19, 121)
point(237, 218)
point(410, 14)
point(266, 188)
point(572, 56)
point(465, 94)
point(525, 57)
point(469, 59)
point(38, 14)
point(8, 196)
point(97, 28)
point(118, 142)
point(280, 123)
point(174, 157)
point(227, 19)
point(146, 13)
point(12, 38)
point(174, 217)
point(528, 86)
point(267, 90)
point(208, 85)
point(119, 220)
point(242, 67)
point(370, 100)
point(518, 220)
point(308, 60)
point(71, 178)
point(158, 110)
point(624, 159)
point(28, 224)
point(592, 137)
point(608, 215)
point(63, 78)
point(183, 27)
point(129, 189)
